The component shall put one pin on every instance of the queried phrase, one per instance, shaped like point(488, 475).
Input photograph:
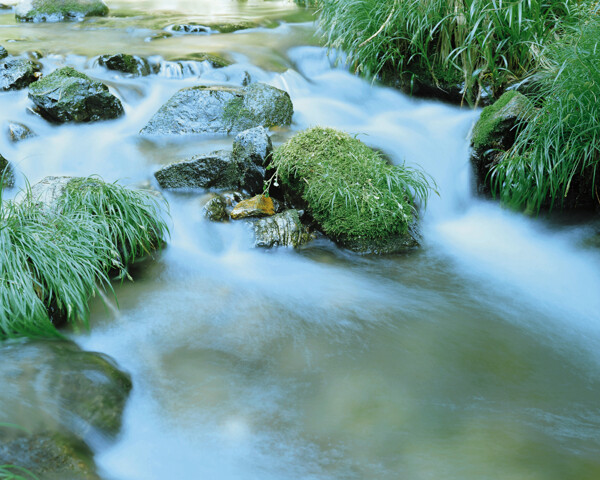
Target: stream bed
point(476, 357)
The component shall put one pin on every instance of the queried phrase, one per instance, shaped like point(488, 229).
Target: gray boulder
point(3, 52)
point(17, 73)
point(281, 230)
point(122, 62)
point(216, 209)
point(7, 175)
point(215, 170)
point(59, 10)
point(253, 145)
point(67, 95)
point(220, 109)
point(18, 131)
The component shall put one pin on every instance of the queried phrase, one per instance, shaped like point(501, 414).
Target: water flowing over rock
point(17, 73)
point(59, 10)
point(282, 230)
point(3, 52)
point(220, 109)
point(216, 209)
point(192, 28)
point(19, 131)
point(67, 95)
point(216, 170)
point(7, 175)
point(122, 62)
point(257, 206)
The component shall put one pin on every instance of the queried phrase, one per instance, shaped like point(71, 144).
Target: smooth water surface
point(476, 357)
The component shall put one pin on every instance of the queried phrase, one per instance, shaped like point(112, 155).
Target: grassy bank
point(54, 258)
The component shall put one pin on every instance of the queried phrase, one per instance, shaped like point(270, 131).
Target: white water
point(322, 364)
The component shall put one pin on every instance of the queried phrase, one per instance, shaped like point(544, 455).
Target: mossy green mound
point(59, 245)
point(355, 196)
point(59, 10)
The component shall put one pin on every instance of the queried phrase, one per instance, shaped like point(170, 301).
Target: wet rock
point(215, 170)
point(158, 36)
point(59, 10)
point(231, 27)
point(282, 230)
point(67, 95)
point(253, 145)
point(48, 455)
point(257, 206)
point(216, 209)
point(215, 60)
point(7, 175)
point(18, 132)
point(17, 73)
point(220, 109)
point(193, 28)
point(122, 62)
point(495, 133)
point(3, 52)
point(381, 246)
point(52, 382)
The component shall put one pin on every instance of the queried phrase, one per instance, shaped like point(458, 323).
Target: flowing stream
point(477, 357)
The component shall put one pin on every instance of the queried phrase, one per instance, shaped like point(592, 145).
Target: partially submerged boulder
point(495, 132)
point(59, 10)
point(215, 61)
point(220, 109)
point(216, 209)
point(18, 131)
point(218, 169)
point(125, 63)
point(67, 95)
point(17, 73)
point(191, 28)
point(257, 206)
point(7, 176)
point(281, 230)
point(253, 145)
point(3, 52)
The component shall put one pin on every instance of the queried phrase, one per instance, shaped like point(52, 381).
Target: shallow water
point(476, 357)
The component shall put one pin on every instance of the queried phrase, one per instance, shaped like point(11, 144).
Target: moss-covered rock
point(59, 10)
point(281, 230)
point(7, 175)
point(214, 60)
point(191, 28)
point(230, 27)
point(3, 52)
point(495, 132)
point(67, 95)
point(220, 109)
point(17, 73)
point(216, 209)
point(123, 62)
point(18, 131)
point(353, 194)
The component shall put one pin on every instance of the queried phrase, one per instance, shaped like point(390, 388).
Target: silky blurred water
point(474, 358)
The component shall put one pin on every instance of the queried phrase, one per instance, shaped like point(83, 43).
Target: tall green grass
point(556, 156)
point(54, 259)
point(482, 44)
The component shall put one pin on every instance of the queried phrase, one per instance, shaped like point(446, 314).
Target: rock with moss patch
point(48, 455)
point(216, 209)
point(257, 206)
point(230, 27)
point(7, 176)
point(219, 109)
point(495, 132)
point(215, 61)
point(54, 381)
point(67, 95)
point(125, 63)
point(59, 10)
point(3, 52)
point(18, 131)
point(191, 28)
point(17, 73)
point(281, 230)
point(215, 170)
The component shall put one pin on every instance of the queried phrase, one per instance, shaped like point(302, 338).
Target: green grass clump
point(558, 151)
point(351, 191)
point(55, 257)
point(485, 44)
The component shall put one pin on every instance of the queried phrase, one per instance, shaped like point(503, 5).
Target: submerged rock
point(216, 209)
point(7, 175)
point(17, 73)
point(18, 132)
point(495, 132)
point(253, 145)
point(193, 28)
point(215, 60)
point(257, 206)
point(220, 109)
point(282, 230)
point(67, 95)
point(215, 170)
point(123, 62)
point(231, 27)
point(59, 10)
point(3, 52)
point(55, 382)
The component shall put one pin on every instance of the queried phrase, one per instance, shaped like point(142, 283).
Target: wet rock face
point(192, 28)
point(257, 206)
point(18, 132)
point(67, 95)
point(7, 176)
point(3, 52)
point(59, 10)
point(219, 109)
point(125, 63)
point(282, 230)
point(17, 73)
point(253, 145)
point(58, 384)
point(216, 209)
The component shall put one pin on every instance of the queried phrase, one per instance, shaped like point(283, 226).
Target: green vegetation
point(349, 188)
point(482, 44)
point(14, 472)
point(556, 156)
point(54, 257)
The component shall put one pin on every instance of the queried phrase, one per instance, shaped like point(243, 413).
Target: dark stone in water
point(17, 73)
point(59, 10)
point(6, 173)
point(125, 63)
point(18, 132)
point(192, 28)
point(282, 230)
point(3, 52)
point(67, 95)
point(216, 209)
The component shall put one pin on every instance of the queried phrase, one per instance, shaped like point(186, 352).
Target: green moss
point(215, 60)
point(349, 189)
point(235, 113)
point(42, 9)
